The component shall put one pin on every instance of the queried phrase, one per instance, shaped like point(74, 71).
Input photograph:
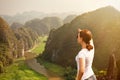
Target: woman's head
point(85, 36)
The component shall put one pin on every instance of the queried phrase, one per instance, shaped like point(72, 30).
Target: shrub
point(70, 73)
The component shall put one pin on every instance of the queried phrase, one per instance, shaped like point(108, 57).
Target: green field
point(58, 70)
point(39, 48)
point(20, 71)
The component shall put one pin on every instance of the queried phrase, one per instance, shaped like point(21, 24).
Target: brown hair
point(86, 35)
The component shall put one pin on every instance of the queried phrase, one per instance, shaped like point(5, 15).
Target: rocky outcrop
point(118, 67)
point(112, 68)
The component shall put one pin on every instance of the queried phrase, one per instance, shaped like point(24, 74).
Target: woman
point(85, 56)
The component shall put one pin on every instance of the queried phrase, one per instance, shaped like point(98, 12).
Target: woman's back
point(88, 57)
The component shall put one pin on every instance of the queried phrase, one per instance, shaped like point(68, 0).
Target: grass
point(54, 68)
point(39, 48)
point(57, 69)
point(20, 71)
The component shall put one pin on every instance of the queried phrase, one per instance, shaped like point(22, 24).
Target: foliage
point(20, 71)
point(70, 73)
point(1, 67)
point(52, 67)
point(5, 59)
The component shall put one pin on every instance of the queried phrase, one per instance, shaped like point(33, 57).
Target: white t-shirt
point(88, 57)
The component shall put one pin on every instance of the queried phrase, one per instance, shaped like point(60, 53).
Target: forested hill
point(7, 44)
point(62, 47)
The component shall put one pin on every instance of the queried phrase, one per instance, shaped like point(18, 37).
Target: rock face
point(104, 23)
point(112, 68)
point(118, 67)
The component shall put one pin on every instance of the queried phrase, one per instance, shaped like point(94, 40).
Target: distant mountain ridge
point(26, 16)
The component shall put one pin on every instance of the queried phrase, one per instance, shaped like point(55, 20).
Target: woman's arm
point(81, 68)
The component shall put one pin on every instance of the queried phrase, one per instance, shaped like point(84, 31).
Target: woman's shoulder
point(83, 51)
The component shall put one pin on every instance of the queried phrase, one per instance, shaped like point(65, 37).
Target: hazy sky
point(12, 7)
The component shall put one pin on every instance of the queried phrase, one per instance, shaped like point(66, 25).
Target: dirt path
point(32, 63)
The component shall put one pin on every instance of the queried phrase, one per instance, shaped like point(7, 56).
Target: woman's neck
point(83, 45)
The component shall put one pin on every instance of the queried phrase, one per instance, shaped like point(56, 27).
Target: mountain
point(43, 26)
point(26, 38)
point(104, 23)
point(7, 44)
point(23, 17)
point(69, 18)
point(6, 33)
point(16, 25)
point(52, 22)
point(37, 25)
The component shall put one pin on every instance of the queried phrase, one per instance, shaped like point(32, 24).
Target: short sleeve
point(81, 54)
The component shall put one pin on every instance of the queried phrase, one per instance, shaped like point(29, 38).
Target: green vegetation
point(20, 71)
point(70, 73)
point(39, 48)
point(5, 59)
point(54, 68)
